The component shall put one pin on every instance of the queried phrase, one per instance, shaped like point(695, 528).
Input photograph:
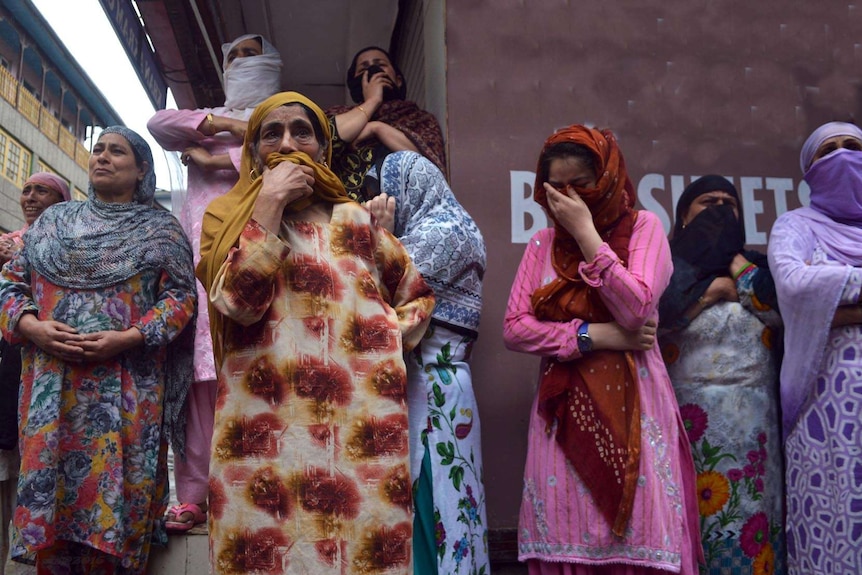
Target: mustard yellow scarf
point(227, 216)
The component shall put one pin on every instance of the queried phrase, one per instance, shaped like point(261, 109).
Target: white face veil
point(250, 81)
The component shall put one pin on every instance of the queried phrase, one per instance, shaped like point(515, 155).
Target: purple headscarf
point(820, 135)
point(809, 294)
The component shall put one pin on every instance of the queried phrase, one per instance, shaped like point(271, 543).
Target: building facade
point(49, 108)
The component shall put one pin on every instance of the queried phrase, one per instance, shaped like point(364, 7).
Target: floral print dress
point(93, 455)
point(725, 375)
point(310, 470)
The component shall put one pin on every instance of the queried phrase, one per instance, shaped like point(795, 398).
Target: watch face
point(585, 342)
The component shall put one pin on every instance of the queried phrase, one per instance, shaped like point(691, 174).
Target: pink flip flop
point(183, 526)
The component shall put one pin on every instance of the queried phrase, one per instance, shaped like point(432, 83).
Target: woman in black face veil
point(718, 331)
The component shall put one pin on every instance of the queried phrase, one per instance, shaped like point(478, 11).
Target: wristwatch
point(585, 342)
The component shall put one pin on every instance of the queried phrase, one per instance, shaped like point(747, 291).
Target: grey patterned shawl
point(93, 244)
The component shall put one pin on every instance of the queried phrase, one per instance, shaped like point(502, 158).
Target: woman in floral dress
point(719, 331)
point(100, 295)
point(416, 203)
point(312, 307)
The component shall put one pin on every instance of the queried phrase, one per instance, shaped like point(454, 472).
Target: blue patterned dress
point(448, 250)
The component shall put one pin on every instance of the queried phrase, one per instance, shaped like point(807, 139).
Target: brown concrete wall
point(689, 87)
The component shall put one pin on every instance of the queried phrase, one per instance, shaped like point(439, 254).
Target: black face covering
point(710, 241)
point(354, 84)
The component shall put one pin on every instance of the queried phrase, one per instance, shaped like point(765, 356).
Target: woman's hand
point(612, 336)
point(103, 345)
point(52, 337)
point(383, 208)
point(282, 185)
point(200, 157)
point(196, 155)
point(287, 182)
point(7, 250)
point(569, 209)
point(372, 89)
point(721, 289)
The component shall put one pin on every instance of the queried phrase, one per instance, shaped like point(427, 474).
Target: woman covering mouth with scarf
point(312, 307)
point(815, 254)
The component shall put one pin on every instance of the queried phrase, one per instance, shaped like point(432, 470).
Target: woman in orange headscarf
point(609, 482)
point(312, 307)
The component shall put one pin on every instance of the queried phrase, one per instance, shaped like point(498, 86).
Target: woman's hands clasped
point(64, 342)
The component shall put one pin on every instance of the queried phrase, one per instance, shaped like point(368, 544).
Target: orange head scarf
point(584, 397)
point(227, 216)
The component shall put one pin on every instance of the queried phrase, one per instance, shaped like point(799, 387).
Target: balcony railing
point(41, 117)
point(29, 106)
point(8, 85)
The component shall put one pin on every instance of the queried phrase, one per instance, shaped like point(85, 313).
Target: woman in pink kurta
point(609, 480)
point(210, 140)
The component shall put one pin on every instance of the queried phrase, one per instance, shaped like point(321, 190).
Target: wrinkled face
point(836, 143)
point(35, 198)
point(288, 129)
point(378, 58)
point(114, 172)
point(708, 200)
point(245, 49)
point(570, 171)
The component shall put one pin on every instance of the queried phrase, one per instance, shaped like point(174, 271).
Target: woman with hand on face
point(210, 140)
point(609, 481)
point(608, 484)
point(815, 254)
point(99, 296)
point(41, 190)
point(381, 122)
point(312, 307)
point(719, 336)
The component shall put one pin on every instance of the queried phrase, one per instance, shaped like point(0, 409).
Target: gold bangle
point(702, 301)
point(211, 124)
point(367, 117)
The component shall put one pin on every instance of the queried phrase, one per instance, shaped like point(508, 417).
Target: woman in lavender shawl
point(815, 254)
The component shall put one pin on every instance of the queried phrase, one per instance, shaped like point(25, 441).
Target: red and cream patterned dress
point(310, 471)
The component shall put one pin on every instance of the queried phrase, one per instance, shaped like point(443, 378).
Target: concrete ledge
point(186, 554)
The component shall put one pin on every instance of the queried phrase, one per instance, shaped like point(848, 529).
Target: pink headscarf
point(51, 181)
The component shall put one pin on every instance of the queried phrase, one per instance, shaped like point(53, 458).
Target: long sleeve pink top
point(559, 521)
point(176, 130)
